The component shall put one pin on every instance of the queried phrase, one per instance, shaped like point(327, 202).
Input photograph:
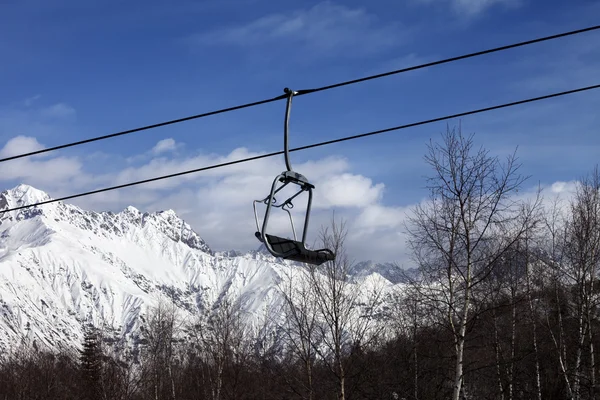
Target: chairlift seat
point(296, 251)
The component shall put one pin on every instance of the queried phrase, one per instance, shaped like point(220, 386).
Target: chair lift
point(287, 248)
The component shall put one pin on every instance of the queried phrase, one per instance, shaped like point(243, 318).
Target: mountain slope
point(61, 266)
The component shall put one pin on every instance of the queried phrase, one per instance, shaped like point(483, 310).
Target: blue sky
point(71, 70)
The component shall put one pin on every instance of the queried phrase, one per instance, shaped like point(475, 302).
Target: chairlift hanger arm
point(280, 247)
point(288, 109)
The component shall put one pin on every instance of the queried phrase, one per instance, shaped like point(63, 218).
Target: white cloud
point(165, 145)
point(471, 8)
point(221, 206)
point(59, 110)
point(36, 170)
point(19, 145)
point(28, 102)
point(563, 187)
point(322, 28)
point(348, 190)
point(377, 216)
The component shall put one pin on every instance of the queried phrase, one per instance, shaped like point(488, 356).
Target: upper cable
point(302, 92)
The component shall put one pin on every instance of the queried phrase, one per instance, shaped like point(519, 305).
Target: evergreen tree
point(91, 365)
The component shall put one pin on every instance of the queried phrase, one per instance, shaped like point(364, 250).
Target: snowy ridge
point(61, 267)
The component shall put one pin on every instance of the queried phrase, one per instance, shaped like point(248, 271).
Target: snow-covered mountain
point(390, 271)
point(61, 266)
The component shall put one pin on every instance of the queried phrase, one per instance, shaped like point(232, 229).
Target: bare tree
point(532, 267)
point(122, 375)
point(163, 324)
point(582, 250)
point(572, 242)
point(408, 314)
point(219, 335)
point(555, 261)
point(345, 308)
point(499, 291)
point(469, 222)
point(508, 286)
point(299, 326)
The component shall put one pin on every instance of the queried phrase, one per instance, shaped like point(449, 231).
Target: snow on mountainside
point(61, 266)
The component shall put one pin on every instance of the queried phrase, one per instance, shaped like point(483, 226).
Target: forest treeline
point(504, 306)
